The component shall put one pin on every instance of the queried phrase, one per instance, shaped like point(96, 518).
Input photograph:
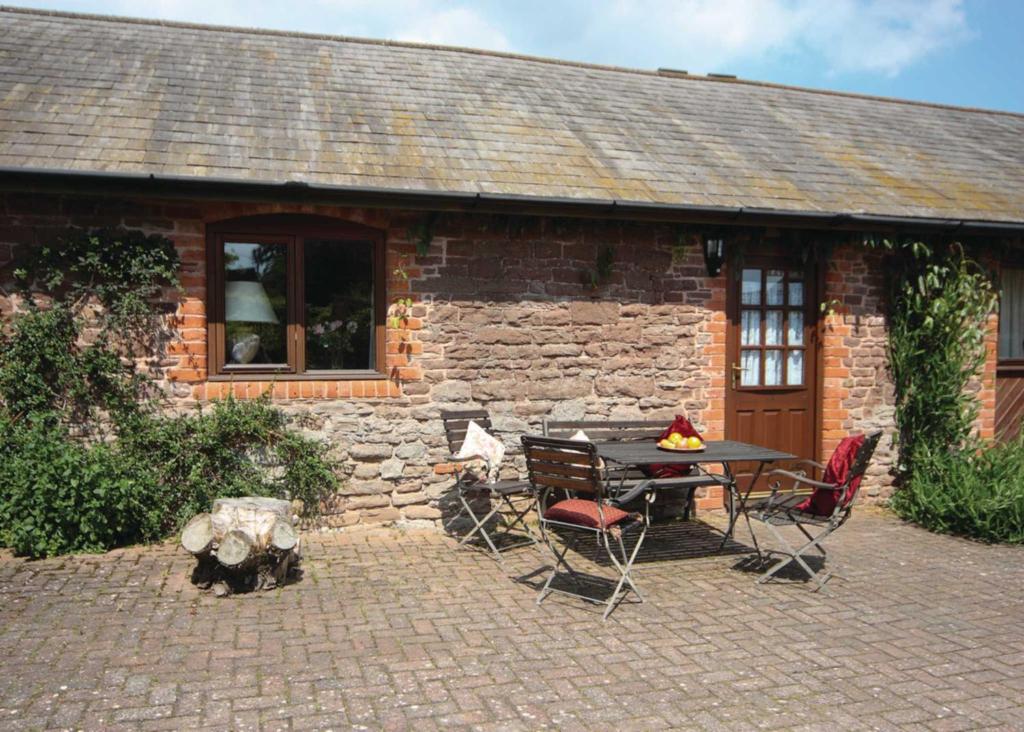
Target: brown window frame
point(1008, 365)
point(292, 230)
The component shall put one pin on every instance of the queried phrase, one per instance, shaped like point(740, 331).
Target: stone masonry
point(503, 320)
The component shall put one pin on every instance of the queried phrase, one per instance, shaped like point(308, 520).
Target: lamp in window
point(247, 302)
point(714, 252)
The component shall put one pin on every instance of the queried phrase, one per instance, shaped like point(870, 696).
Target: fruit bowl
point(702, 448)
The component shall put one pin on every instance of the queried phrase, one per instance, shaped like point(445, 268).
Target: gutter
point(171, 186)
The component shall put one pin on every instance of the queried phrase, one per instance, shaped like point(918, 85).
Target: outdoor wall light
point(714, 253)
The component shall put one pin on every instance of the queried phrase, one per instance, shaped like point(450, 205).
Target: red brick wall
point(502, 320)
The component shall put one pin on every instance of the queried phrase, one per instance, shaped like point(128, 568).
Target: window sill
point(271, 376)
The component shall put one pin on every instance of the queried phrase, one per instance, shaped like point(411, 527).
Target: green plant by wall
point(940, 302)
point(88, 460)
point(974, 492)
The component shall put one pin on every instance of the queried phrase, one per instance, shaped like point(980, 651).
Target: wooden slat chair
point(633, 431)
point(558, 466)
point(797, 507)
point(509, 500)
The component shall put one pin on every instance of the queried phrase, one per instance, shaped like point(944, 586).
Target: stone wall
point(858, 390)
point(502, 320)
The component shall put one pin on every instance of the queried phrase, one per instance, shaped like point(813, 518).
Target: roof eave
point(141, 184)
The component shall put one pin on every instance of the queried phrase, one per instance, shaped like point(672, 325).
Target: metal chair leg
point(559, 562)
point(795, 555)
point(479, 527)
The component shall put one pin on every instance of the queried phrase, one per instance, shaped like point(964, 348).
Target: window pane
point(751, 290)
point(751, 363)
point(773, 287)
point(795, 368)
point(339, 305)
point(773, 368)
point(256, 303)
point(796, 293)
point(1011, 314)
point(795, 335)
point(773, 328)
point(750, 331)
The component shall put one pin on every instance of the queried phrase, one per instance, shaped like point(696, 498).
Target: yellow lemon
point(693, 442)
point(667, 443)
point(676, 439)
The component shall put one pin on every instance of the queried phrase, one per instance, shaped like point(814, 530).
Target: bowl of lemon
point(677, 443)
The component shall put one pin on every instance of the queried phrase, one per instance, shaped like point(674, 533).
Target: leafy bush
point(235, 448)
point(940, 302)
point(61, 496)
point(976, 492)
point(87, 461)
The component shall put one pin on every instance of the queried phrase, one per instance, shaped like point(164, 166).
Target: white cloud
point(880, 36)
point(459, 26)
point(832, 36)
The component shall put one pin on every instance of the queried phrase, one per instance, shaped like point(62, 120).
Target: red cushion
point(823, 502)
point(584, 513)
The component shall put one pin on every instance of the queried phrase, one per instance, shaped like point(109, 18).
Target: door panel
point(1010, 371)
point(772, 346)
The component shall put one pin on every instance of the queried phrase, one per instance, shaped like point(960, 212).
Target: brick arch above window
point(295, 296)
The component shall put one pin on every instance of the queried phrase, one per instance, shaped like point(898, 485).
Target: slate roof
point(89, 93)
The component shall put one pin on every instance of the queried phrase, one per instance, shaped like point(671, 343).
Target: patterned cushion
point(490, 448)
point(584, 513)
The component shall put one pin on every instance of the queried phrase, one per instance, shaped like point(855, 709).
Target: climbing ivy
point(940, 300)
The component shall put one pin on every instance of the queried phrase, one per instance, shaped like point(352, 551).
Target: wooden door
point(771, 355)
point(1010, 370)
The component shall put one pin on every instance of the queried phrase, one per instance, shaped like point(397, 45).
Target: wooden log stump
point(243, 544)
point(197, 536)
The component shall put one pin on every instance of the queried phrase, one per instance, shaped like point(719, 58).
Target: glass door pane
point(750, 294)
point(795, 368)
point(750, 361)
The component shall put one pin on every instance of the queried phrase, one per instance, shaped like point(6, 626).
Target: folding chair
point(827, 507)
point(573, 466)
point(508, 500)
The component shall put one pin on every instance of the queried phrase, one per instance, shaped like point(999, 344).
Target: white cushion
point(479, 443)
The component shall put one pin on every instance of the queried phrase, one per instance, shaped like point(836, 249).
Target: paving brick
point(401, 630)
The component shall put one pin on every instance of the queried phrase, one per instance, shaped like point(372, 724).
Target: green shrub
point(62, 496)
point(940, 302)
point(87, 462)
point(234, 448)
point(977, 493)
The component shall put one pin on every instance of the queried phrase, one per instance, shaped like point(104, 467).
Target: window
point(296, 297)
point(1011, 315)
point(772, 328)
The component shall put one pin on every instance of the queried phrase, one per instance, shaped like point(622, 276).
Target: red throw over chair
point(827, 507)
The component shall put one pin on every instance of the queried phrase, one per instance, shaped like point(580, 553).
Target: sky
point(964, 52)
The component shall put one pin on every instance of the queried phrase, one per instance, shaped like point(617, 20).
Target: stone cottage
point(577, 240)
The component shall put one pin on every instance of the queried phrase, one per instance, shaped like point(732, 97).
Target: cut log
point(197, 536)
point(283, 537)
point(235, 549)
point(243, 544)
point(254, 516)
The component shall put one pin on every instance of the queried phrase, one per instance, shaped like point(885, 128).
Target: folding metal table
point(643, 454)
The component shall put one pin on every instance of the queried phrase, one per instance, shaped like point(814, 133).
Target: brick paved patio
point(395, 630)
